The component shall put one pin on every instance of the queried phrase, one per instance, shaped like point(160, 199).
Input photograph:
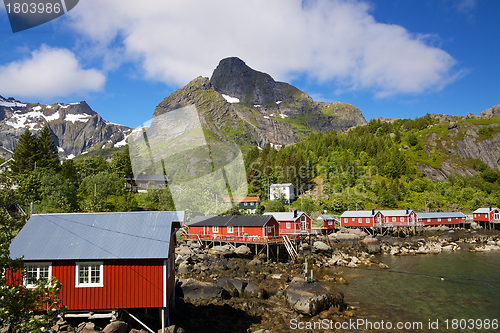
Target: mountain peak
point(233, 77)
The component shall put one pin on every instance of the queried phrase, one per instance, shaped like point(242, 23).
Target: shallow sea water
point(452, 286)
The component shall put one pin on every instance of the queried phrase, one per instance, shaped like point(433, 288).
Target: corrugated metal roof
point(197, 219)
point(284, 216)
point(233, 220)
point(282, 185)
point(358, 213)
point(88, 236)
point(483, 210)
point(396, 212)
point(328, 217)
point(439, 215)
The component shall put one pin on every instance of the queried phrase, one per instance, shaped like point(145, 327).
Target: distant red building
point(361, 218)
point(292, 223)
point(258, 229)
point(486, 215)
point(400, 218)
point(441, 218)
point(329, 221)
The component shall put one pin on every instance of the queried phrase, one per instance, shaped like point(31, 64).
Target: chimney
point(295, 214)
point(407, 211)
point(490, 209)
point(373, 211)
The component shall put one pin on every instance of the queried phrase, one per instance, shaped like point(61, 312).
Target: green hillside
point(383, 165)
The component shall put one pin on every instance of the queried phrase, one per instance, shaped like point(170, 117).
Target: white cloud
point(48, 72)
point(335, 41)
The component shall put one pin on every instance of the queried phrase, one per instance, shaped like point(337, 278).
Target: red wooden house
point(399, 218)
point(486, 216)
point(361, 218)
point(258, 229)
point(105, 261)
point(441, 218)
point(329, 221)
point(292, 223)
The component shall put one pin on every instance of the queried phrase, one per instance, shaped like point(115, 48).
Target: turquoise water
point(448, 286)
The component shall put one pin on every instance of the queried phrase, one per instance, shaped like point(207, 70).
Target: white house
point(284, 191)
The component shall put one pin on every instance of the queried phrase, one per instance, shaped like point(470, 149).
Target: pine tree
point(47, 150)
point(25, 154)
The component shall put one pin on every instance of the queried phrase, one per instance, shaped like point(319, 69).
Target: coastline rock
point(238, 284)
point(195, 290)
point(252, 290)
point(318, 245)
point(383, 266)
point(310, 298)
point(184, 268)
point(242, 250)
point(116, 327)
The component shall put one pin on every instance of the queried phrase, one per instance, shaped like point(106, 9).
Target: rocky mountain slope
point(252, 109)
point(76, 127)
point(458, 144)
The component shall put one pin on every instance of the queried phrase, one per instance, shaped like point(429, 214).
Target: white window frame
point(360, 220)
point(215, 229)
point(402, 219)
point(393, 219)
point(449, 219)
point(288, 226)
point(367, 220)
point(230, 229)
point(496, 215)
point(439, 219)
point(87, 265)
point(37, 264)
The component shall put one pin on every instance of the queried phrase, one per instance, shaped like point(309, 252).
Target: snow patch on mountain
point(82, 117)
point(231, 99)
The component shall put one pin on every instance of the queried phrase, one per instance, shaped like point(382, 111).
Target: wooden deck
point(244, 239)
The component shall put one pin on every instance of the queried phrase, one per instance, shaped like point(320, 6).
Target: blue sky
point(389, 58)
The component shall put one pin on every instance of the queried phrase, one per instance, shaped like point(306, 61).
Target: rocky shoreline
point(227, 289)
point(262, 295)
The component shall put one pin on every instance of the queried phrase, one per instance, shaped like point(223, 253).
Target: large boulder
point(184, 250)
point(224, 249)
point(318, 245)
point(242, 250)
point(195, 290)
point(252, 290)
point(228, 283)
point(116, 327)
point(184, 268)
point(310, 298)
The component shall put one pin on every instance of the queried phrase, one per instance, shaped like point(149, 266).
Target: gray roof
point(358, 213)
point(328, 217)
point(285, 216)
point(282, 185)
point(197, 219)
point(396, 212)
point(90, 236)
point(233, 220)
point(439, 215)
point(483, 210)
